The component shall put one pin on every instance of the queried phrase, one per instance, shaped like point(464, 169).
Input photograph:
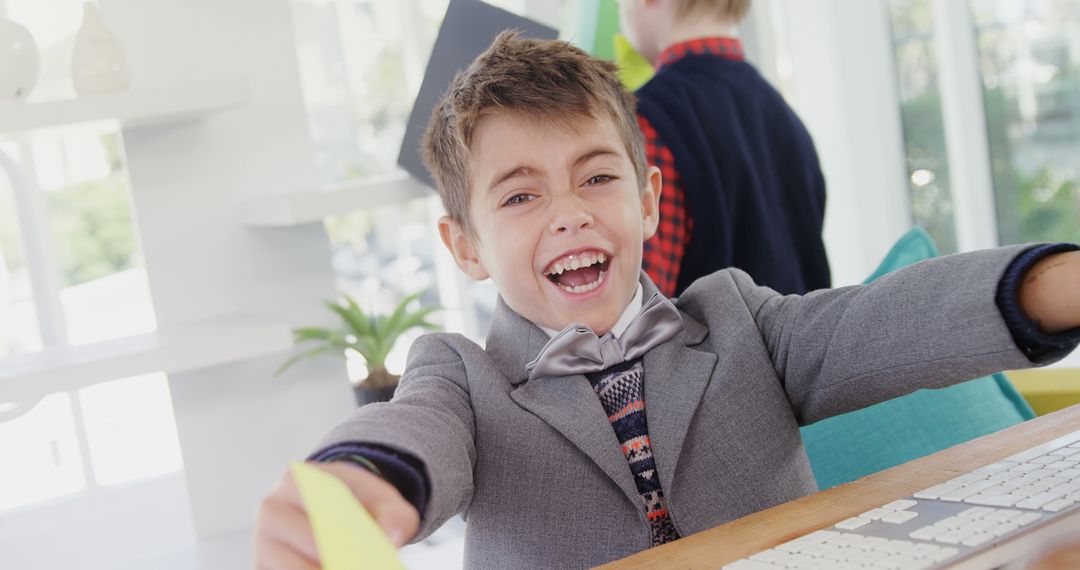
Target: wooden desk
point(740, 538)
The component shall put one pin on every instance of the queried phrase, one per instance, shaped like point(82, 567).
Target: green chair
point(856, 444)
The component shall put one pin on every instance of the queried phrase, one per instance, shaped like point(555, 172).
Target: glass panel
point(1030, 59)
point(105, 293)
point(920, 112)
point(382, 255)
point(131, 429)
point(361, 63)
point(19, 331)
point(39, 451)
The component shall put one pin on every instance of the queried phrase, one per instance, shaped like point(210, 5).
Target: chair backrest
point(846, 447)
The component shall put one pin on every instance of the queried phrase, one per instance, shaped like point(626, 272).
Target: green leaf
point(363, 324)
point(308, 354)
point(368, 347)
point(394, 322)
point(355, 320)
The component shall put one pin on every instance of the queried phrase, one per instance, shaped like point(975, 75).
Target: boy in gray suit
point(601, 418)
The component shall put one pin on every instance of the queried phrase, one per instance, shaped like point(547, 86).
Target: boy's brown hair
point(539, 80)
point(734, 10)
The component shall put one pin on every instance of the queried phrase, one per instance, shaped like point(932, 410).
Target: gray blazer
point(536, 467)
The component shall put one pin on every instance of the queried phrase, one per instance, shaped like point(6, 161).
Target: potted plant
point(372, 336)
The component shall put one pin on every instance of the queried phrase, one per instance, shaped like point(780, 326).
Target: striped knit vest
point(622, 393)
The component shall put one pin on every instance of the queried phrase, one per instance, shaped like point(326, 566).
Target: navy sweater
point(754, 189)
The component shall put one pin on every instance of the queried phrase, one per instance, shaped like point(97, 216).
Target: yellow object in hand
point(346, 535)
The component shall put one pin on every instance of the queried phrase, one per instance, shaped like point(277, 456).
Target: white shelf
point(133, 109)
point(307, 207)
point(176, 349)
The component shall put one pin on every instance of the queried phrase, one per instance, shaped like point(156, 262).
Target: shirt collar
point(620, 326)
point(725, 47)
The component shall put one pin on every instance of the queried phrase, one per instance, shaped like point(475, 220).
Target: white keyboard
point(945, 523)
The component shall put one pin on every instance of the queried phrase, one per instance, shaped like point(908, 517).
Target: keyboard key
point(967, 491)
point(899, 517)
point(853, 523)
point(900, 505)
point(1037, 501)
point(953, 536)
point(977, 539)
point(995, 467)
point(1003, 515)
point(967, 478)
point(1026, 519)
point(976, 512)
point(936, 491)
point(928, 532)
point(944, 554)
point(995, 500)
point(1003, 529)
point(876, 514)
point(1065, 452)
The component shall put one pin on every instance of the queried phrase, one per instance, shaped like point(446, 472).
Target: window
point(1029, 54)
point(923, 124)
point(361, 65)
point(1028, 58)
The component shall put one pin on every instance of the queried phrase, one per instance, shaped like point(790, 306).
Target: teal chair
point(856, 444)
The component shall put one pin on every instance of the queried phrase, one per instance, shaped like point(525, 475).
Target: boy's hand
point(283, 538)
point(1050, 292)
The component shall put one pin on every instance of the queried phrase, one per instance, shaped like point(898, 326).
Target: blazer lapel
point(675, 380)
point(568, 404)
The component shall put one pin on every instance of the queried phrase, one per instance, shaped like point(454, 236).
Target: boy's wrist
point(1039, 345)
point(1049, 292)
point(402, 470)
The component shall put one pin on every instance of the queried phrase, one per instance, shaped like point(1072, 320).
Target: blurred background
point(157, 241)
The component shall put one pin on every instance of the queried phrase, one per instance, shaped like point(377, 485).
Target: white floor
point(148, 525)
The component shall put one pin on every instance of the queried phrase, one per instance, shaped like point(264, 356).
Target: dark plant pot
point(371, 395)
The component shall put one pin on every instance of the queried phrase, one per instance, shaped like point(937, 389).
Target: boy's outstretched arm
point(1049, 292)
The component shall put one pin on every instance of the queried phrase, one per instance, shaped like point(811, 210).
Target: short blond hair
point(539, 80)
point(734, 10)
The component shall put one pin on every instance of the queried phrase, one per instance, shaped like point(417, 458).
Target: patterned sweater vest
point(622, 393)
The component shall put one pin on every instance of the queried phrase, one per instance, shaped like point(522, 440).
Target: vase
point(19, 61)
point(98, 64)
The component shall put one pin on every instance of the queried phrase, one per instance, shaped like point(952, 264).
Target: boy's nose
point(571, 217)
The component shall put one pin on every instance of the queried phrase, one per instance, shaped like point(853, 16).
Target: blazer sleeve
point(429, 419)
point(929, 325)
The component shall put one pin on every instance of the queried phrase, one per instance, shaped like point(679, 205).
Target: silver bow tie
point(577, 349)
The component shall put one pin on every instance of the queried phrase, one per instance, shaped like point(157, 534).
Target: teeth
point(587, 287)
point(576, 262)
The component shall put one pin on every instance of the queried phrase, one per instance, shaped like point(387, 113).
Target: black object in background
point(467, 30)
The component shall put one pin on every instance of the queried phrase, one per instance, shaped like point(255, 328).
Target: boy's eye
point(518, 199)
point(599, 179)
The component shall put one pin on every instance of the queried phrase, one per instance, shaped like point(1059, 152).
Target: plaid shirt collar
point(726, 47)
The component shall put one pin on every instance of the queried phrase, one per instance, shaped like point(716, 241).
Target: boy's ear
point(650, 202)
point(463, 249)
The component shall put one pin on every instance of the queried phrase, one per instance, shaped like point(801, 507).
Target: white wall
point(238, 424)
point(845, 91)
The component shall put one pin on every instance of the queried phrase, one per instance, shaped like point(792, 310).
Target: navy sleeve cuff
point(402, 470)
point(1038, 346)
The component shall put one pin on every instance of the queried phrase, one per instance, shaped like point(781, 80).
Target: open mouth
point(580, 272)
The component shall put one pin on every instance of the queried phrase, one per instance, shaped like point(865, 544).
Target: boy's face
point(643, 23)
point(559, 219)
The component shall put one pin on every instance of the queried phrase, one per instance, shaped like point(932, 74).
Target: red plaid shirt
point(664, 252)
